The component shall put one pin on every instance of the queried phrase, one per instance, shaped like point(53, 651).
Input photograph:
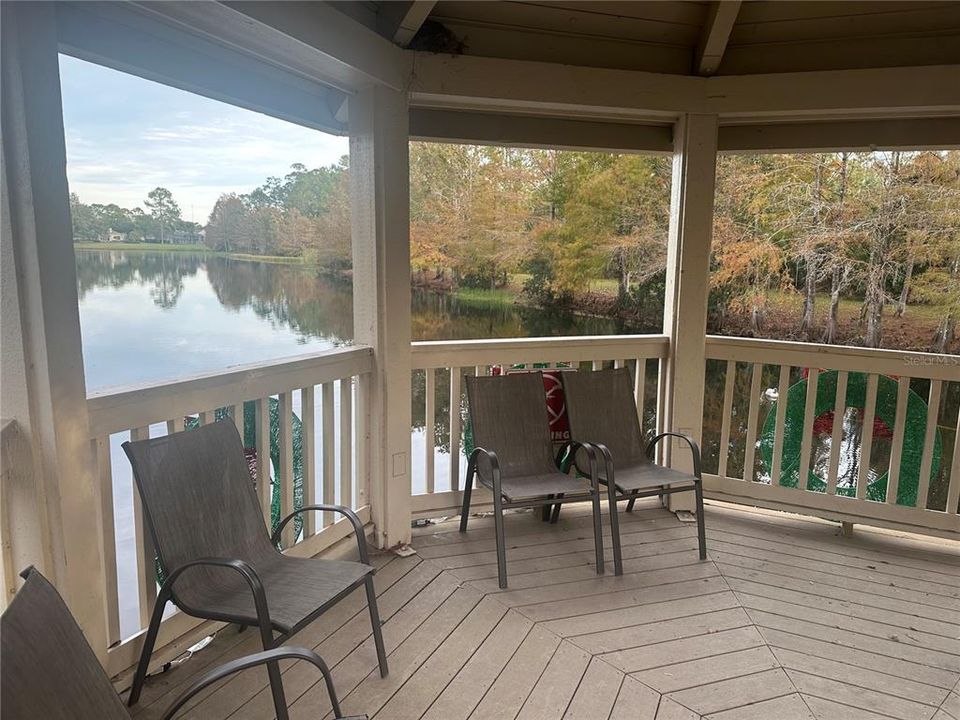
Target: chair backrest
point(48, 669)
point(601, 409)
point(508, 415)
point(198, 497)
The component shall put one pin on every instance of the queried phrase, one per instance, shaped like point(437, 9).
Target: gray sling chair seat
point(602, 411)
point(49, 671)
point(219, 559)
point(514, 456)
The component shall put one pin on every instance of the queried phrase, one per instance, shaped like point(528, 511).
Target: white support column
point(381, 296)
point(688, 283)
point(47, 336)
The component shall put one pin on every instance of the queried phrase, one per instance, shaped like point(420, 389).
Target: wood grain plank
point(556, 686)
point(596, 693)
point(467, 689)
point(635, 702)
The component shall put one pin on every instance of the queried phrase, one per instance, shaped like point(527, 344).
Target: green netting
point(886, 408)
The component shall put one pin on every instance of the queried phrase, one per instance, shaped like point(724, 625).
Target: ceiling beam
point(403, 20)
point(538, 132)
point(848, 135)
point(312, 39)
point(721, 17)
point(120, 36)
point(517, 86)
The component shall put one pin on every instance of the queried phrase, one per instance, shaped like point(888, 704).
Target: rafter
point(401, 21)
point(715, 35)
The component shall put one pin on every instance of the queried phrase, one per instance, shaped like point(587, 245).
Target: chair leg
point(501, 540)
point(276, 690)
point(598, 531)
point(148, 642)
point(377, 630)
point(630, 504)
point(701, 528)
point(546, 510)
point(273, 673)
point(555, 515)
point(465, 510)
point(615, 529)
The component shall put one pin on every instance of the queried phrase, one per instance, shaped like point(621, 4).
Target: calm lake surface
point(154, 316)
point(148, 317)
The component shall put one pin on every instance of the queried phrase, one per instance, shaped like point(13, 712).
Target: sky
point(126, 135)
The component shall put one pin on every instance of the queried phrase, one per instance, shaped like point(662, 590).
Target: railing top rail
point(463, 353)
point(121, 408)
point(934, 366)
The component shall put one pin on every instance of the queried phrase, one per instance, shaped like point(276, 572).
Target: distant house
point(115, 237)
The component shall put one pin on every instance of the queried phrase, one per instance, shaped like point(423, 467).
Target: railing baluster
point(663, 448)
point(175, 425)
point(285, 472)
point(308, 447)
point(866, 439)
point(207, 417)
point(108, 537)
point(328, 438)
point(726, 418)
point(896, 446)
point(953, 494)
point(236, 412)
point(455, 385)
point(783, 388)
point(346, 441)
point(264, 490)
point(429, 414)
point(753, 419)
point(809, 409)
point(839, 411)
point(926, 459)
point(362, 434)
point(146, 553)
point(640, 388)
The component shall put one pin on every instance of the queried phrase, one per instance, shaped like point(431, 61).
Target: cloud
point(126, 135)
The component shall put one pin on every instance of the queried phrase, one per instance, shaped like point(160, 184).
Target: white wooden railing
point(743, 378)
point(840, 476)
point(324, 392)
point(439, 367)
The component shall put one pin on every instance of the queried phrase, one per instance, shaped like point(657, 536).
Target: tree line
point(161, 222)
point(881, 230)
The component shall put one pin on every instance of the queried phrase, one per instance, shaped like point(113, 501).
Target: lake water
point(149, 317)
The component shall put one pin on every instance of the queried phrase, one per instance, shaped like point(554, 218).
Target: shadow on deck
point(786, 619)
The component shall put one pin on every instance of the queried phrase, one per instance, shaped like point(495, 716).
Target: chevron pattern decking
point(786, 620)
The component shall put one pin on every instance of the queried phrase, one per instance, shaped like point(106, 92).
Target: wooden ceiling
point(686, 38)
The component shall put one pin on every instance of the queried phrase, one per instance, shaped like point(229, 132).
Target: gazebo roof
point(681, 38)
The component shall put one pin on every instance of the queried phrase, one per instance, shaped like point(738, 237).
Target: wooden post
point(688, 284)
point(381, 297)
point(45, 339)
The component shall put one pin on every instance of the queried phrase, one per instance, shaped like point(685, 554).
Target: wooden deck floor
point(785, 620)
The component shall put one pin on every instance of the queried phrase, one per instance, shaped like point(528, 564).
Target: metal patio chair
point(219, 559)
point(49, 671)
point(514, 456)
point(602, 411)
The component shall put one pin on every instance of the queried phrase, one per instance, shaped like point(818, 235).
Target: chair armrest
point(245, 571)
point(260, 658)
point(596, 453)
point(494, 467)
point(347, 512)
point(694, 448)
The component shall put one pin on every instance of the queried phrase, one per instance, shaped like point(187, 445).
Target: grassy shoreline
point(185, 248)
